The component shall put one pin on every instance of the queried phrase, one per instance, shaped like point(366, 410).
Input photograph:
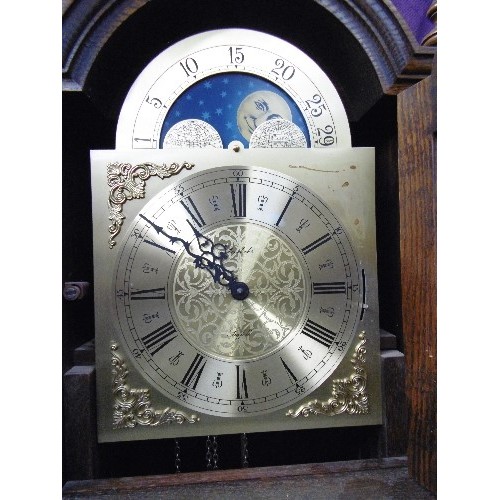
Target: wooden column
point(417, 192)
point(80, 449)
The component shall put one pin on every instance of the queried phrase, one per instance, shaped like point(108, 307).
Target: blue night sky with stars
point(216, 100)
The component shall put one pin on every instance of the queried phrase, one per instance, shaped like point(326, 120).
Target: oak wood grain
point(417, 185)
point(386, 478)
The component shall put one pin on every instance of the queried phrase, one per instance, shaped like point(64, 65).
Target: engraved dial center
point(271, 295)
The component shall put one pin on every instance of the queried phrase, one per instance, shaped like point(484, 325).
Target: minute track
point(250, 361)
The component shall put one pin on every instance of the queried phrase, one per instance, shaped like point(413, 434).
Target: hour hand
point(210, 257)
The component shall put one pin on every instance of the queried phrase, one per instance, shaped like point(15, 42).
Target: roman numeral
point(159, 338)
point(333, 287)
point(153, 293)
point(193, 211)
point(283, 212)
point(315, 244)
point(241, 383)
point(319, 333)
point(194, 372)
point(291, 376)
point(239, 196)
point(154, 244)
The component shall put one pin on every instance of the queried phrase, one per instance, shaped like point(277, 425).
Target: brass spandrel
point(132, 407)
point(127, 182)
point(348, 394)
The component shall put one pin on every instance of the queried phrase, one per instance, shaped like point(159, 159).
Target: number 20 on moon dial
point(229, 85)
point(191, 331)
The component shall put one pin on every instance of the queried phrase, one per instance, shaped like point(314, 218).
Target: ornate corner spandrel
point(132, 407)
point(348, 394)
point(127, 182)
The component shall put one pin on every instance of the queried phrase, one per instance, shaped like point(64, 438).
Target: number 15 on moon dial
point(237, 292)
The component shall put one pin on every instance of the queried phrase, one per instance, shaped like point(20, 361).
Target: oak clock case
point(178, 351)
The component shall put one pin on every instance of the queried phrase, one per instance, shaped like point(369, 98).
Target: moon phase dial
point(270, 339)
point(233, 80)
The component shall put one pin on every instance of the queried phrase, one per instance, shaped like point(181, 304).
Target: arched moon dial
point(186, 331)
point(234, 80)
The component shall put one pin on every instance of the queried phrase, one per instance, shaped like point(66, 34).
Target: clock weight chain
point(244, 451)
point(212, 455)
point(177, 456)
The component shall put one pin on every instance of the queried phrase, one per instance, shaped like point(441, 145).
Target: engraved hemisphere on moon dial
point(191, 336)
point(234, 80)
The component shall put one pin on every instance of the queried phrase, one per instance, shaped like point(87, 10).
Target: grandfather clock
point(242, 196)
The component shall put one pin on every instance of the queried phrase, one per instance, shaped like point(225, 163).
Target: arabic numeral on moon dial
point(318, 109)
point(190, 66)
point(236, 55)
point(154, 101)
point(285, 72)
point(325, 137)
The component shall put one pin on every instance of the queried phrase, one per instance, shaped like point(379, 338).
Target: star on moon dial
point(185, 330)
point(233, 80)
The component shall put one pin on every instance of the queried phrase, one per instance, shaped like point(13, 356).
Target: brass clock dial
point(199, 342)
point(233, 81)
point(235, 291)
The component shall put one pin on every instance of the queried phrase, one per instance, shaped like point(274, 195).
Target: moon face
point(220, 99)
point(259, 107)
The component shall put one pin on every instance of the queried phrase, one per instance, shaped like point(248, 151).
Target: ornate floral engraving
point(133, 406)
point(243, 329)
point(348, 394)
point(127, 182)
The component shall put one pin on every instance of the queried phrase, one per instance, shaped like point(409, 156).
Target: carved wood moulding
point(398, 59)
point(87, 26)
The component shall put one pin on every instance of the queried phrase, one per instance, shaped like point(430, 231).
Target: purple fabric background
point(415, 14)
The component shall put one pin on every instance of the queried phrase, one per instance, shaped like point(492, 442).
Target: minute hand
point(210, 258)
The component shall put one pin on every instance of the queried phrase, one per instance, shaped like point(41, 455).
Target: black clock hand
point(210, 258)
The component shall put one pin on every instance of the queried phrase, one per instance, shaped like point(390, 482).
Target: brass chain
point(209, 454)
point(215, 454)
point(212, 454)
point(177, 456)
point(244, 451)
